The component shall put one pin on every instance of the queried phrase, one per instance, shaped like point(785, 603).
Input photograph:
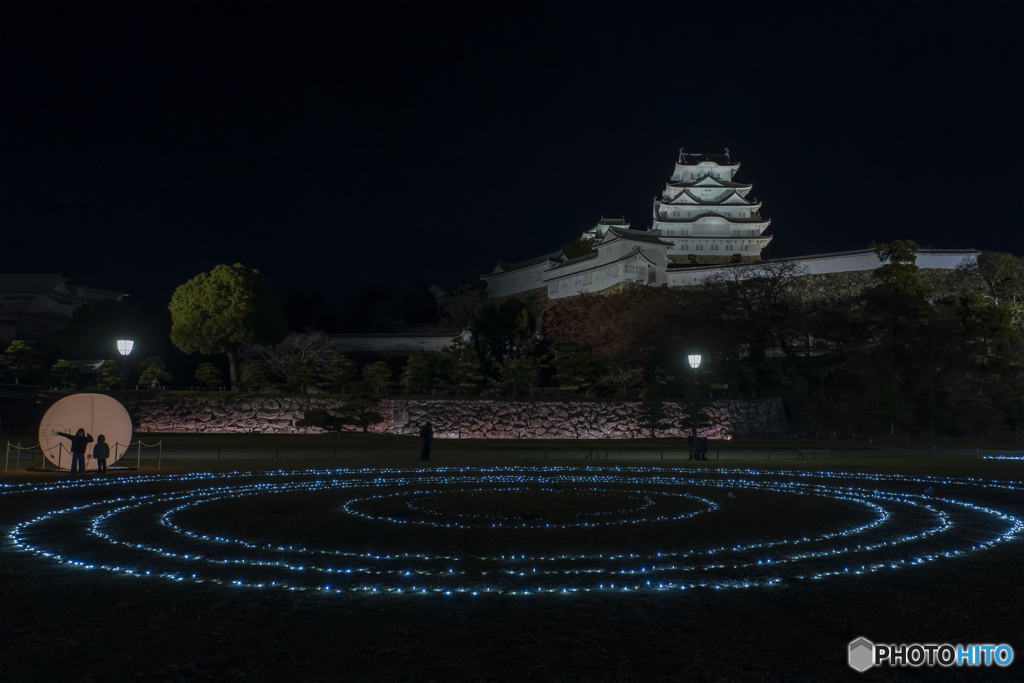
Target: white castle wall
point(839, 262)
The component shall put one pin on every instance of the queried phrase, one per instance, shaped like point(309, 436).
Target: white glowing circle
point(95, 413)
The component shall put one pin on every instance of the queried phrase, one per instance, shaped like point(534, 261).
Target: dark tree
point(216, 312)
point(651, 412)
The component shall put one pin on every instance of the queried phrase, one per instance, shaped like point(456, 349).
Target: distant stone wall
point(853, 283)
point(466, 418)
point(710, 260)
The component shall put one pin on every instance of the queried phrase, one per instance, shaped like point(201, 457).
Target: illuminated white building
point(706, 216)
point(704, 222)
point(621, 256)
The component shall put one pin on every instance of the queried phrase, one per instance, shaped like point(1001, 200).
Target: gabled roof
point(684, 196)
point(633, 236)
point(87, 366)
point(733, 197)
point(571, 262)
point(708, 181)
point(711, 214)
point(505, 266)
point(722, 183)
point(32, 283)
point(698, 158)
point(634, 252)
point(736, 198)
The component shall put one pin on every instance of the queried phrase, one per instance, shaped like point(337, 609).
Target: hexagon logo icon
point(862, 654)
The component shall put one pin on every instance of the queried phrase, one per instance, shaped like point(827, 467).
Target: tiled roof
point(506, 266)
point(727, 219)
point(578, 259)
point(724, 183)
point(29, 283)
point(635, 251)
point(734, 193)
point(637, 236)
point(694, 159)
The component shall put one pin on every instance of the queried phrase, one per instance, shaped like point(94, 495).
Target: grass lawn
point(62, 623)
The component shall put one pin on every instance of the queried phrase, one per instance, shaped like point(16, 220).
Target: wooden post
point(138, 460)
point(17, 459)
point(159, 455)
point(60, 453)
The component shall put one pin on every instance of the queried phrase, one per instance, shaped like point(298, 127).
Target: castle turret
point(707, 216)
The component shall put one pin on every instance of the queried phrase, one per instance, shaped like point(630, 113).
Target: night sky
point(336, 145)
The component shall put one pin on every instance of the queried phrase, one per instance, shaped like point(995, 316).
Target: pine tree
point(890, 406)
point(21, 361)
point(302, 372)
point(378, 377)
point(522, 372)
point(342, 371)
point(153, 370)
point(573, 366)
point(65, 375)
point(322, 419)
point(257, 375)
point(361, 409)
point(207, 374)
point(652, 410)
point(459, 366)
point(110, 375)
point(418, 373)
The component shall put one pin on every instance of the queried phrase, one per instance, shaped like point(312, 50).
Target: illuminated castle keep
point(704, 223)
point(706, 216)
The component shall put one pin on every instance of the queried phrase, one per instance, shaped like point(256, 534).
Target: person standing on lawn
point(79, 442)
point(426, 436)
point(100, 452)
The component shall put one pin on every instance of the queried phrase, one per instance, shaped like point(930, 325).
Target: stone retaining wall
point(469, 418)
point(853, 283)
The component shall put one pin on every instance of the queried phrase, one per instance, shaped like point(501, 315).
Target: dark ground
point(57, 628)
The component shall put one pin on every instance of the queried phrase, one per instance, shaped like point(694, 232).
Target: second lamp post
point(694, 359)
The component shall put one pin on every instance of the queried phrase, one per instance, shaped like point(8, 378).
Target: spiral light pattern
point(464, 530)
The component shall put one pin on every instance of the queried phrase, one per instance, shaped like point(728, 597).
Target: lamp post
point(124, 347)
point(694, 359)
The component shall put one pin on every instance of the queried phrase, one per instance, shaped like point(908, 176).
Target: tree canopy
point(216, 312)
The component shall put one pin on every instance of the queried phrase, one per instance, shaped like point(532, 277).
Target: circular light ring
point(348, 507)
point(510, 575)
point(265, 488)
point(647, 502)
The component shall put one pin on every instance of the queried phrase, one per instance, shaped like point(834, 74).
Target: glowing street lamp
point(124, 347)
point(694, 360)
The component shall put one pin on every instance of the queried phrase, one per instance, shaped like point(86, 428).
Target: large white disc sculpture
point(96, 414)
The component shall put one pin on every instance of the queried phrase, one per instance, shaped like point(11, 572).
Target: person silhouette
point(79, 442)
point(100, 452)
point(426, 436)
